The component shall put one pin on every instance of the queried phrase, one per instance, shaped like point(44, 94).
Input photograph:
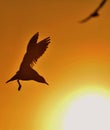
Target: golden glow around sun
point(89, 111)
point(87, 108)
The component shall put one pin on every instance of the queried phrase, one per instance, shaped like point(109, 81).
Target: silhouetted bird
point(95, 13)
point(34, 51)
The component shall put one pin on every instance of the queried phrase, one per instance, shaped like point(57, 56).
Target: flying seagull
point(95, 13)
point(34, 51)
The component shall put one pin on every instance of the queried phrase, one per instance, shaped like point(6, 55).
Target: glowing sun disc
point(88, 112)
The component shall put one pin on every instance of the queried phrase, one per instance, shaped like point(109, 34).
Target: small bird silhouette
point(34, 51)
point(95, 13)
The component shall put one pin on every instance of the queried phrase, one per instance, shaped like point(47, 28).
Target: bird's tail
point(15, 77)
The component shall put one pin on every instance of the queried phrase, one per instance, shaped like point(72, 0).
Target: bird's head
point(41, 79)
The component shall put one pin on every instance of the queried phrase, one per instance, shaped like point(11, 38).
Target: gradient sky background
point(78, 55)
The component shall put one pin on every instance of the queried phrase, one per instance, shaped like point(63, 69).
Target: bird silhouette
point(34, 51)
point(95, 13)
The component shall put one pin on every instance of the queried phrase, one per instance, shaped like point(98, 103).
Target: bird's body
point(95, 13)
point(34, 51)
point(28, 74)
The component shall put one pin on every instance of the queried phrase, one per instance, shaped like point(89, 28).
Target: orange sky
point(79, 54)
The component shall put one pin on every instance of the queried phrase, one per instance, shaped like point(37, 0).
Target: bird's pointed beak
point(46, 83)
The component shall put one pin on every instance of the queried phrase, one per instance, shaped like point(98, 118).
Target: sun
point(89, 111)
point(84, 108)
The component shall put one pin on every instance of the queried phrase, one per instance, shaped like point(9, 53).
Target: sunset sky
point(77, 60)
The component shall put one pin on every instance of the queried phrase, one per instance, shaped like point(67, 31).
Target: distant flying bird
point(95, 13)
point(34, 51)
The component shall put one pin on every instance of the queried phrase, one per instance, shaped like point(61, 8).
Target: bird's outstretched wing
point(95, 13)
point(33, 41)
point(34, 51)
point(86, 19)
point(100, 6)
